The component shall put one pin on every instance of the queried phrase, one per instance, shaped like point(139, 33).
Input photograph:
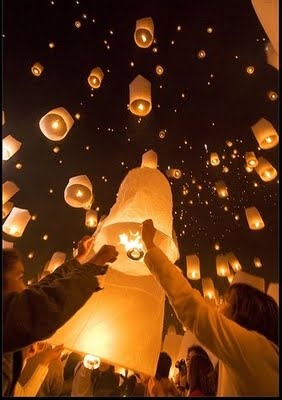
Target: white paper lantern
point(9, 189)
point(57, 259)
point(16, 222)
point(208, 288)
point(265, 134)
point(267, 13)
point(193, 267)
point(251, 159)
point(254, 218)
point(140, 102)
point(221, 189)
point(233, 261)
point(257, 262)
point(222, 267)
point(78, 192)
point(173, 173)
point(214, 159)
point(91, 218)
point(265, 170)
point(6, 208)
point(95, 78)
point(9, 147)
point(144, 32)
point(171, 345)
point(56, 124)
point(37, 69)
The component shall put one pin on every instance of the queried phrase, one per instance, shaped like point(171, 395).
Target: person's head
point(252, 309)
point(163, 367)
point(13, 272)
point(201, 375)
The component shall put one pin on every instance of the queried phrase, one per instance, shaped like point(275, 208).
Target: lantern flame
point(268, 139)
point(144, 39)
point(79, 193)
point(133, 247)
point(55, 124)
point(141, 107)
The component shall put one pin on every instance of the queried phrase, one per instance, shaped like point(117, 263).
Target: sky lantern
point(144, 32)
point(265, 134)
point(56, 124)
point(78, 192)
point(57, 259)
point(254, 218)
point(265, 170)
point(214, 159)
point(174, 173)
point(6, 208)
point(233, 261)
point(8, 190)
point(193, 267)
point(16, 222)
point(257, 262)
point(208, 288)
point(91, 218)
point(171, 346)
point(10, 146)
point(37, 69)
point(95, 78)
point(222, 267)
point(251, 159)
point(140, 102)
point(221, 189)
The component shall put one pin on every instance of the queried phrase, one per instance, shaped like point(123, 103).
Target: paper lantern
point(56, 124)
point(174, 173)
point(257, 262)
point(8, 190)
point(214, 159)
point(193, 267)
point(6, 208)
point(90, 203)
point(140, 102)
point(221, 189)
point(272, 56)
point(150, 160)
point(222, 267)
point(265, 170)
point(171, 346)
point(144, 32)
point(208, 288)
point(233, 261)
point(144, 193)
point(9, 147)
point(251, 159)
point(248, 168)
point(91, 218)
point(3, 118)
point(254, 218)
point(7, 245)
point(265, 134)
point(273, 291)
point(119, 318)
point(267, 13)
point(78, 192)
point(37, 69)
point(171, 330)
point(230, 277)
point(95, 78)
point(16, 222)
point(57, 259)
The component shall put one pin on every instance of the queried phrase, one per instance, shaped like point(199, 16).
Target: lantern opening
point(135, 254)
point(133, 247)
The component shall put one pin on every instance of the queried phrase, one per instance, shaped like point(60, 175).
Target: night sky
point(201, 103)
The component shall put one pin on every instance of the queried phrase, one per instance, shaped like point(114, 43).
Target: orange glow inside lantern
point(37, 69)
point(56, 124)
point(16, 222)
point(254, 218)
point(222, 267)
point(133, 245)
point(265, 170)
point(265, 134)
point(95, 78)
point(174, 173)
point(144, 32)
point(257, 262)
point(91, 218)
point(236, 266)
point(221, 189)
point(140, 96)
point(208, 288)
point(9, 189)
point(251, 159)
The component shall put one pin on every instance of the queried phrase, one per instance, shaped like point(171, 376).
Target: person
point(180, 378)
point(200, 376)
point(242, 333)
point(161, 385)
point(35, 313)
point(71, 362)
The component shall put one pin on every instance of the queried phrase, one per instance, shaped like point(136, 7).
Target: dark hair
point(163, 367)
point(198, 350)
point(71, 363)
point(201, 375)
point(10, 257)
point(254, 310)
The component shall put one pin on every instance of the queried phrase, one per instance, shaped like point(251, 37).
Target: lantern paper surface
point(271, 56)
point(7, 245)
point(57, 259)
point(208, 288)
point(78, 192)
point(56, 124)
point(9, 147)
point(233, 261)
point(171, 345)
point(16, 222)
point(8, 190)
point(267, 13)
point(257, 262)
point(221, 189)
point(251, 159)
point(95, 78)
point(222, 267)
point(214, 159)
point(265, 170)
point(150, 159)
point(144, 32)
point(265, 134)
point(273, 291)
point(91, 218)
point(193, 267)
point(122, 324)
point(7, 207)
point(140, 102)
point(254, 218)
point(37, 69)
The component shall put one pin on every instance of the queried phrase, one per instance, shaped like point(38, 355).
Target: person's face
point(190, 354)
point(14, 279)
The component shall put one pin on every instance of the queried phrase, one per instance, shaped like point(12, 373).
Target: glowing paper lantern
point(56, 124)
point(91, 362)
point(95, 78)
point(9, 147)
point(265, 134)
point(273, 291)
point(233, 261)
point(267, 13)
point(171, 346)
point(16, 222)
point(251, 159)
point(272, 56)
point(89, 204)
point(8, 190)
point(257, 262)
point(214, 159)
point(208, 288)
point(193, 267)
point(78, 192)
point(174, 173)
point(57, 259)
point(6, 208)
point(221, 189)
point(254, 218)
point(91, 218)
point(140, 102)
point(150, 160)
point(7, 245)
point(144, 32)
point(222, 267)
point(265, 170)
point(37, 69)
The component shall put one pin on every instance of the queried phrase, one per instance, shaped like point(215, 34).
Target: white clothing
point(32, 386)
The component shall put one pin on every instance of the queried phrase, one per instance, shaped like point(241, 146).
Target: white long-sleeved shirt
point(32, 386)
point(248, 362)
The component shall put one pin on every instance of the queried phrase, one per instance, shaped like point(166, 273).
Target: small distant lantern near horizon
point(257, 262)
point(9, 189)
point(16, 222)
point(221, 189)
point(208, 288)
point(37, 69)
point(265, 134)
point(174, 173)
point(248, 168)
point(222, 267)
point(6, 209)
point(56, 124)
point(193, 267)
point(91, 218)
point(254, 218)
point(233, 261)
point(140, 102)
point(214, 159)
point(265, 170)
point(251, 159)
point(57, 259)
point(78, 192)
point(10, 146)
point(144, 32)
point(162, 133)
point(95, 78)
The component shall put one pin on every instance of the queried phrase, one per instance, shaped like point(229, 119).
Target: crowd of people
point(242, 333)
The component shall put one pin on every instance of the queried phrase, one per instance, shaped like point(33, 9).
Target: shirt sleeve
point(33, 384)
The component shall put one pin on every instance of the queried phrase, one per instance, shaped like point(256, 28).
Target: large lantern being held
point(265, 170)
point(8, 190)
point(140, 102)
point(78, 192)
point(56, 124)
point(16, 222)
point(6, 208)
point(254, 218)
point(95, 78)
point(233, 261)
point(265, 134)
point(208, 288)
point(251, 159)
point(57, 259)
point(91, 218)
point(214, 159)
point(222, 267)
point(9, 147)
point(221, 189)
point(193, 267)
point(144, 32)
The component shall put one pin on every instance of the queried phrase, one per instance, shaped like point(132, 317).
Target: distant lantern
point(95, 78)
point(201, 54)
point(229, 143)
point(3, 117)
point(6, 208)
point(248, 168)
point(51, 45)
point(208, 288)
point(91, 218)
point(78, 191)
point(9, 147)
point(265, 134)
point(221, 189)
point(16, 222)
point(230, 277)
point(144, 32)
point(57, 259)
point(174, 173)
point(56, 124)
point(89, 204)
point(37, 69)
point(159, 70)
point(250, 69)
point(222, 267)
point(162, 134)
point(8, 190)
point(56, 149)
point(140, 102)
point(214, 159)
point(272, 95)
point(257, 262)
point(254, 218)
point(193, 267)
point(233, 261)
point(265, 170)
point(251, 159)
point(149, 159)
point(272, 56)
point(216, 246)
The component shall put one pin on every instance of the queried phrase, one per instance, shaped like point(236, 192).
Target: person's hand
point(50, 354)
point(107, 254)
point(148, 233)
point(84, 247)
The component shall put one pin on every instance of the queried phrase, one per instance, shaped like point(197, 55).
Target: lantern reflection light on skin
point(57, 259)
point(95, 78)
point(91, 218)
point(265, 134)
point(265, 170)
point(91, 362)
point(144, 32)
point(208, 288)
point(233, 261)
point(174, 173)
point(221, 189)
point(16, 222)
point(193, 267)
point(222, 267)
point(9, 189)
point(257, 262)
point(251, 159)
point(56, 124)
point(254, 218)
point(78, 192)
point(214, 159)
point(9, 147)
point(140, 102)
point(37, 69)
point(6, 208)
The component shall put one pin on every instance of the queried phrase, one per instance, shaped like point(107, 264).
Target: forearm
point(33, 384)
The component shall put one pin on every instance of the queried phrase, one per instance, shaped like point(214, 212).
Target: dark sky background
point(199, 102)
